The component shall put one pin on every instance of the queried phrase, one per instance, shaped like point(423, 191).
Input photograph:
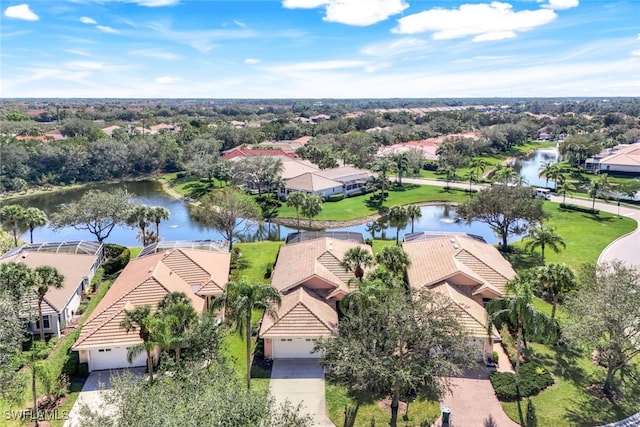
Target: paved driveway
point(92, 392)
point(300, 381)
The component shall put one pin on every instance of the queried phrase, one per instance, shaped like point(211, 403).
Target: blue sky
point(319, 48)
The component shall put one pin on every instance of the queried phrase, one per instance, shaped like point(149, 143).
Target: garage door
point(294, 348)
point(113, 358)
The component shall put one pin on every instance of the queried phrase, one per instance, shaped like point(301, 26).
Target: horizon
point(319, 49)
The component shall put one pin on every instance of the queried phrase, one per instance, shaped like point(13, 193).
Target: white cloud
point(85, 65)
point(168, 80)
point(252, 61)
point(494, 21)
point(107, 29)
point(635, 52)
point(21, 11)
point(155, 53)
point(87, 20)
point(78, 52)
point(352, 12)
point(396, 47)
point(152, 3)
point(240, 24)
point(562, 4)
point(323, 65)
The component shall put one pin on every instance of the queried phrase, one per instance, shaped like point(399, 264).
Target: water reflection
point(529, 167)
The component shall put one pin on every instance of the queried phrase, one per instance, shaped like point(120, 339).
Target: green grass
point(260, 254)
point(379, 244)
point(190, 186)
point(336, 399)
point(134, 251)
point(567, 403)
point(360, 206)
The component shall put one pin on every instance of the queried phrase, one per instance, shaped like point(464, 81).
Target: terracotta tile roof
point(239, 152)
point(470, 312)
point(145, 281)
point(296, 167)
point(311, 182)
point(313, 259)
point(457, 258)
point(344, 173)
point(74, 268)
point(302, 313)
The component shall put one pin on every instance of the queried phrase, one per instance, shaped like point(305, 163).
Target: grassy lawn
point(567, 403)
point(420, 411)
point(379, 244)
point(360, 206)
point(190, 186)
point(134, 251)
point(260, 254)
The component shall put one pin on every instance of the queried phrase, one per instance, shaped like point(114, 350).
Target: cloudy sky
point(319, 48)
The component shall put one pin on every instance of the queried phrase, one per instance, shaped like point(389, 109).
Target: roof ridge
point(311, 311)
point(484, 263)
point(275, 322)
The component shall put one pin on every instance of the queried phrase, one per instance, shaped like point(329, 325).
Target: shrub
point(577, 208)
point(335, 197)
point(83, 369)
point(269, 271)
point(533, 379)
point(495, 356)
point(117, 263)
point(508, 344)
point(71, 364)
point(82, 307)
point(181, 175)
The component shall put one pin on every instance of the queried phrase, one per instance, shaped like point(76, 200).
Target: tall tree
point(395, 260)
point(311, 206)
point(384, 167)
point(141, 319)
point(296, 199)
point(258, 172)
point(179, 315)
point(373, 227)
point(563, 186)
point(402, 165)
point(557, 280)
point(356, 260)
point(412, 342)
point(449, 172)
point(33, 359)
point(477, 166)
point(413, 212)
point(239, 300)
point(140, 216)
point(398, 218)
point(543, 236)
point(98, 212)
point(228, 210)
point(45, 278)
point(11, 219)
point(502, 207)
point(603, 317)
point(598, 186)
point(159, 214)
point(32, 218)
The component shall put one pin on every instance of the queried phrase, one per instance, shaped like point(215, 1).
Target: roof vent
point(330, 246)
point(24, 255)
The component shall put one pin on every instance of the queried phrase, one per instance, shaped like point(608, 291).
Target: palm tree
point(450, 174)
point(355, 259)
point(546, 170)
point(557, 280)
point(597, 186)
point(373, 227)
point(359, 299)
point(11, 219)
point(563, 186)
point(383, 166)
point(159, 214)
point(32, 218)
point(296, 199)
point(402, 165)
point(139, 217)
point(505, 174)
point(311, 206)
point(478, 165)
point(413, 212)
point(516, 310)
point(240, 299)
point(140, 318)
point(38, 352)
point(395, 259)
point(45, 277)
point(179, 316)
point(398, 218)
point(543, 236)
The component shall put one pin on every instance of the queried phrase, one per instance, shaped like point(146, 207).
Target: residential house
point(311, 283)
point(345, 180)
point(623, 159)
point(201, 274)
point(238, 152)
point(76, 261)
point(465, 269)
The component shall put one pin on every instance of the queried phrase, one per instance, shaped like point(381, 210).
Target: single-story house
point(311, 282)
point(623, 159)
point(239, 152)
point(345, 180)
point(201, 274)
point(76, 261)
point(465, 269)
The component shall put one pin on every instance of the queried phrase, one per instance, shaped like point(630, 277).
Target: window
point(45, 321)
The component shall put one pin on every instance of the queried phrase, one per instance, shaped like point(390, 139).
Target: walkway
point(300, 381)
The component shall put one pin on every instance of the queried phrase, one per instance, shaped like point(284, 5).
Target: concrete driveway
point(300, 381)
point(96, 385)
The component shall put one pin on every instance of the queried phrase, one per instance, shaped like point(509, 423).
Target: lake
point(181, 226)
point(529, 167)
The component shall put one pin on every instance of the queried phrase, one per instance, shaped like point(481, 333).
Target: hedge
point(584, 209)
point(533, 379)
point(508, 344)
point(335, 197)
point(121, 256)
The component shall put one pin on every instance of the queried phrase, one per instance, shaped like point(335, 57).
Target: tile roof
point(302, 313)
point(241, 152)
point(145, 281)
point(344, 173)
point(74, 268)
point(441, 257)
point(319, 258)
point(311, 182)
point(296, 167)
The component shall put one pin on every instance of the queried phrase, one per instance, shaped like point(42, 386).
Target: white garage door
point(113, 358)
point(294, 348)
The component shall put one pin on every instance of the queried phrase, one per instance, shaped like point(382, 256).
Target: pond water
point(529, 167)
point(181, 226)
